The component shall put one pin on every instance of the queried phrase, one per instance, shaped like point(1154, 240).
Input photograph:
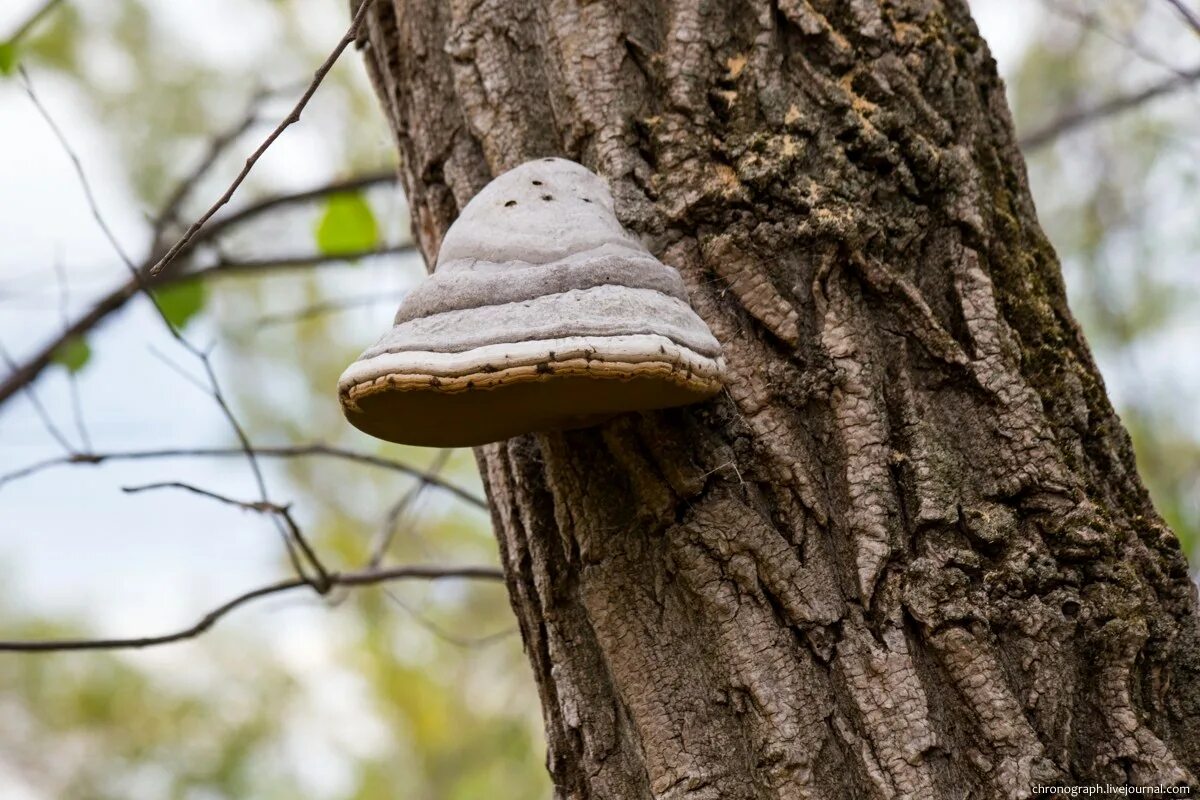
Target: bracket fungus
point(542, 313)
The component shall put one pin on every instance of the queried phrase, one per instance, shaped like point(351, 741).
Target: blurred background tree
point(402, 690)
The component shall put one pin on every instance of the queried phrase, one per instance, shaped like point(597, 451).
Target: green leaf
point(347, 225)
point(58, 40)
point(181, 301)
point(8, 57)
point(72, 354)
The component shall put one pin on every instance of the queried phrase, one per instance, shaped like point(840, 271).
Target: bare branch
point(1091, 20)
point(84, 183)
point(38, 408)
point(258, 208)
point(64, 306)
point(391, 523)
point(326, 307)
point(29, 370)
point(443, 634)
point(347, 579)
point(216, 147)
point(179, 370)
point(263, 507)
point(233, 266)
point(295, 539)
point(293, 117)
point(257, 506)
point(218, 396)
point(314, 450)
point(1189, 16)
point(1109, 108)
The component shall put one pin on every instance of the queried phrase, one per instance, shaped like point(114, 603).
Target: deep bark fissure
point(906, 553)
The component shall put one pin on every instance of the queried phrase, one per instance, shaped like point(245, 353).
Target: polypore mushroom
point(542, 313)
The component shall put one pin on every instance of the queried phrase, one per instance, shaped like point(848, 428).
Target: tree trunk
point(907, 553)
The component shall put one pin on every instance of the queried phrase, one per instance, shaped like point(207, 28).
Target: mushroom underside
point(476, 397)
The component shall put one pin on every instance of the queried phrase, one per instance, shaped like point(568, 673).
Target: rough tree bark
point(907, 553)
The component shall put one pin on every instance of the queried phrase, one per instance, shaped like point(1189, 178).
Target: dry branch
point(347, 579)
point(297, 544)
point(1116, 105)
point(28, 370)
point(315, 449)
point(291, 118)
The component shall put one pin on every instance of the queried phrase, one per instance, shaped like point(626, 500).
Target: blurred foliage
point(93, 726)
point(8, 58)
point(438, 694)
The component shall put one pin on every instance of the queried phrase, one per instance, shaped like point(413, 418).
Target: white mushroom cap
point(542, 313)
point(541, 211)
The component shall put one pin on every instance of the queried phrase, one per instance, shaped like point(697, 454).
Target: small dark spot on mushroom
point(544, 368)
point(489, 368)
point(587, 200)
point(537, 183)
point(547, 197)
point(510, 204)
point(547, 159)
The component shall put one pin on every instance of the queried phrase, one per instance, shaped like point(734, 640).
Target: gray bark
point(907, 553)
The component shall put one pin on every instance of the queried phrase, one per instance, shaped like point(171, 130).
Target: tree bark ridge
point(907, 552)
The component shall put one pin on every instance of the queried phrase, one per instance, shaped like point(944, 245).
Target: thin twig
point(38, 408)
point(437, 630)
point(1077, 119)
point(313, 450)
point(261, 507)
point(29, 370)
point(1091, 21)
point(94, 207)
point(216, 148)
point(179, 370)
point(256, 505)
point(64, 306)
point(256, 209)
point(291, 118)
point(1190, 16)
point(348, 579)
point(84, 183)
point(322, 582)
point(391, 523)
point(234, 266)
point(320, 309)
point(138, 278)
point(296, 539)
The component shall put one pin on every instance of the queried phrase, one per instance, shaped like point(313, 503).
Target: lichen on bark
point(907, 552)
